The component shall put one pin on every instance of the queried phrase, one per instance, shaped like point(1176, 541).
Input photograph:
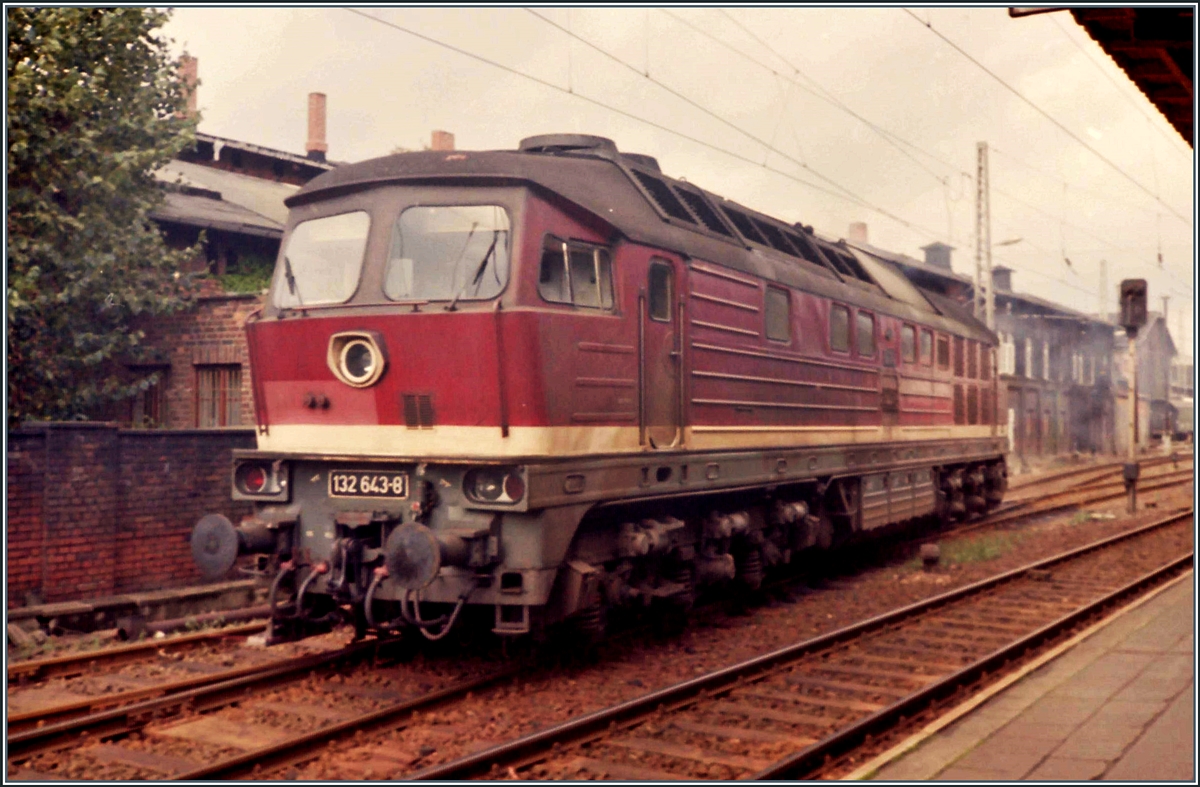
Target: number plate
point(360, 483)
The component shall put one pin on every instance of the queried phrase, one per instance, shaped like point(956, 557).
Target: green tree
point(95, 106)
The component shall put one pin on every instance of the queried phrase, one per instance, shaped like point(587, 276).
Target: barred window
point(218, 395)
point(958, 357)
point(960, 413)
point(973, 359)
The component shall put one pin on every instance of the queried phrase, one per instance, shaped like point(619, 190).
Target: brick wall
point(94, 510)
point(212, 333)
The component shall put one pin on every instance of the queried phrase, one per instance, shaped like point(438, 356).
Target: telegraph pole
point(983, 305)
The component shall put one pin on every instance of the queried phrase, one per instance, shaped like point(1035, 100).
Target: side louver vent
point(418, 411)
point(742, 222)
point(705, 213)
point(661, 193)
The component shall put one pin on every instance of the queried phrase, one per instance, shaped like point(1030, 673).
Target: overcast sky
point(759, 105)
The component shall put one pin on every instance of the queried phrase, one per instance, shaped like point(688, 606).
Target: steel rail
point(27, 742)
point(803, 762)
point(76, 663)
point(277, 753)
point(574, 729)
point(1029, 508)
point(1103, 468)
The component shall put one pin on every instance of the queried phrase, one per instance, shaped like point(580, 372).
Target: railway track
point(123, 724)
point(74, 664)
point(1082, 475)
point(1091, 492)
point(783, 714)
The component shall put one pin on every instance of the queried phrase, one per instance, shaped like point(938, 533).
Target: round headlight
point(358, 361)
point(485, 485)
point(494, 485)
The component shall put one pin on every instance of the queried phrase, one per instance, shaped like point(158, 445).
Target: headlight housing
point(357, 358)
point(260, 479)
point(494, 485)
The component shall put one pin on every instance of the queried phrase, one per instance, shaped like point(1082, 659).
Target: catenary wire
point(624, 113)
point(1046, 115)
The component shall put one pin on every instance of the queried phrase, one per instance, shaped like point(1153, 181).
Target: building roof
point(249, 147)
point(1154, 47)
point(263, 198)
point(1052, 306)
point(198, 208)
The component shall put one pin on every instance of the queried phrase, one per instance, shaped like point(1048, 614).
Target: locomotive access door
point(661, 355)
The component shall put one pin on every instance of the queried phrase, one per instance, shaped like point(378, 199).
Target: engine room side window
point(908, 343)
point(575, 273)
point(865, 322)
point(839, 329)
point(322, 261)
point(943, 352)
point(778, 315)
point(447, 253)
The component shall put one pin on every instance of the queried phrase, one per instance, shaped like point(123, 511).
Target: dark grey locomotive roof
point(629, 192)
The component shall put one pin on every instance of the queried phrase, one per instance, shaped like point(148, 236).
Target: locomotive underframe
point(672, 522)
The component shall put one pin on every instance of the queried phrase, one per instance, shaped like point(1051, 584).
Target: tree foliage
point(95, 106)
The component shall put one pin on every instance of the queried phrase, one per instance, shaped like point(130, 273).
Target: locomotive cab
point(527, 386)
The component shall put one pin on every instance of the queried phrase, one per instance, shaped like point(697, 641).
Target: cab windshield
point(450, 253)
point(322, 261)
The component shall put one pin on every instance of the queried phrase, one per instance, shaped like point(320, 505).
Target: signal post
point(1133, 316)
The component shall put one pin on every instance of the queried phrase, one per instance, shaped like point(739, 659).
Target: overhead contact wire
point(1046, 115)
point(624, 113)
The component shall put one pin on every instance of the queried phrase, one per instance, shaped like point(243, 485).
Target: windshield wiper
point(291, 280)
point(487, 255)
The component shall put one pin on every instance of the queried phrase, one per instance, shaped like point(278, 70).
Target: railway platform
point(1116, 702)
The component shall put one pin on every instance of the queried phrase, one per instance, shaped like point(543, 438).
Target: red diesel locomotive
point(517, 388)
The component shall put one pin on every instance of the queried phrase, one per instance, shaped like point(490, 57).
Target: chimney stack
point(937, 255)
point(189, 71)
point(858, 232)
point(1002, 278)
point(442, 140)
point(316, 146)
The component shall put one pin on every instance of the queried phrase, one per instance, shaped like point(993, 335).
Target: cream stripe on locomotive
point(558, 441)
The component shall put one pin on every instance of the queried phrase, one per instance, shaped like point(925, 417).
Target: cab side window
point(575, 273)
point(660, 288)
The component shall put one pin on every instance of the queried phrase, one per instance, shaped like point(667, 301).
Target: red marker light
point(255, 478)
point(514, 487)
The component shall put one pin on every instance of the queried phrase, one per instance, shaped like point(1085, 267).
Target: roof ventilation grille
point(570, 143)
point(643, 161)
